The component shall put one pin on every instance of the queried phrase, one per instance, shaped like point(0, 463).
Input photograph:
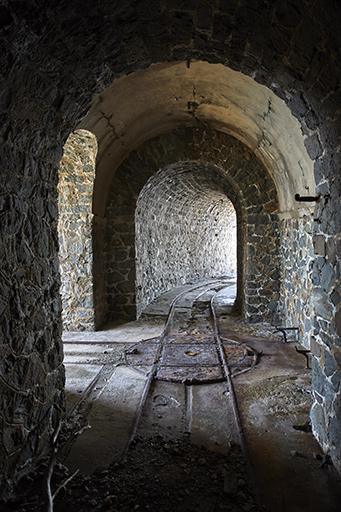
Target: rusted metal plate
point(234, 353)
point(189, 338)
point(189, 354)
point(190, 374)
point(141, 353)
point(238, 354)
point(190, 358)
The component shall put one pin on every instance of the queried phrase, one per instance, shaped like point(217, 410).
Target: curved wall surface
point(186, 230)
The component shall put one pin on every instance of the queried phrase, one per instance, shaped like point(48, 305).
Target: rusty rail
point(236, 413)
point(152, 372)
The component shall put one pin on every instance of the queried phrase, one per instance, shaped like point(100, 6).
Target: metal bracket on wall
point(284, 330)
point(307, 199)
point(305, 352)
point(319, 199)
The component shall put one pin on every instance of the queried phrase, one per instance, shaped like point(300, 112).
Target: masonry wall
point(326, 332)
point(120, 277)
point(75, 188)
point(264, 275)
point(297, 261)
point(185, 230)
point(99, 231)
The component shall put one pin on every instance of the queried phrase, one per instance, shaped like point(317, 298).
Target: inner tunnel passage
point(186, 230)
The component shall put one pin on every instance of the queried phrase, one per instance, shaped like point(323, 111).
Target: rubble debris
point(157, 475)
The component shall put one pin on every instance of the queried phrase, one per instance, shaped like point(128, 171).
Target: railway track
point(191, 351)
point(185, 376)
point(174, 395)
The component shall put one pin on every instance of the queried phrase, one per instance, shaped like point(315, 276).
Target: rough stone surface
point(99, 271)
point(297, 256)
point(186, 229)
point(76, 177)
point(54, 58)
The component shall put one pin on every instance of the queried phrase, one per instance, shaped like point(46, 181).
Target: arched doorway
point(232, 170)
point(202, 99)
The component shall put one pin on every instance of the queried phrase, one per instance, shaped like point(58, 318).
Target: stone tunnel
point(150, 144)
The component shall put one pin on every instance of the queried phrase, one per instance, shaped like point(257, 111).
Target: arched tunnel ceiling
point(184, 184)
point(185, 229)
point(147, 103)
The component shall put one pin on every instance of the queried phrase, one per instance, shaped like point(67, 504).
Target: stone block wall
point(75, 188)
point(264, 275)
point(297, 255)
point(310, 300)
point(185, 231)
point(99, 232)
point(232, 170)
point(326, 332)
point(120, 265)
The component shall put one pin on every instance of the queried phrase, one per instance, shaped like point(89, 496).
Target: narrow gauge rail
point(205, 347)
point(193, 353)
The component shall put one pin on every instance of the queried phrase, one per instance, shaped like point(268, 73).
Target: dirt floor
point(158, 476)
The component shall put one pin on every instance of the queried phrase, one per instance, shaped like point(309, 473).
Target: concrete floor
point(273, 399)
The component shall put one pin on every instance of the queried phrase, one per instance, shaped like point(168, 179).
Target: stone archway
point(166, 96)
point(232, 168)
point(172, 95)
point(54, 60)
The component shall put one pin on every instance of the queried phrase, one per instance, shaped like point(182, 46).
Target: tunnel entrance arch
point(47, 91)
point(186, 230)
point(236, 171)
point(170, 97)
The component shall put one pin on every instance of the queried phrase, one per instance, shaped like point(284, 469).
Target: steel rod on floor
point(143, 399)
point(228, 375)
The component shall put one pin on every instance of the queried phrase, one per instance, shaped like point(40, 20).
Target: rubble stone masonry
point(75, 188)
point(54, 58)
